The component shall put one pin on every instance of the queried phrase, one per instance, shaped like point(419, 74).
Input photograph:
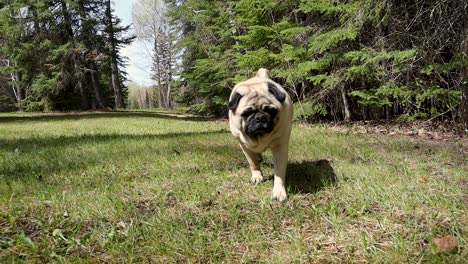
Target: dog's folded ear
point(280, 96)
point(234, 101)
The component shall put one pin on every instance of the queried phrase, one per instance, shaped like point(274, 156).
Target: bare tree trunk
point(168, 97)
point(118, 94)
point(97, 102)
point(79, 74)
point(161, 97)
point(17, 89)
point(463, 111)
point(142, 100)
point(83, 96)
point(347, 113)
point(97, 89)
point(157, 73)
point(168, 78)
point(67, 24)
point(15, 86)
point(464, 108)
point(464, 104)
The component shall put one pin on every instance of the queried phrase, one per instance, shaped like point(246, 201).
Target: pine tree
point(340, 60)
point(118, 92)
point(55, 53)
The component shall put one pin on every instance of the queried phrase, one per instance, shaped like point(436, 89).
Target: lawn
point(163, 187)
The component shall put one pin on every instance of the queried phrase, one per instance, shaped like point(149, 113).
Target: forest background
point(340, 60)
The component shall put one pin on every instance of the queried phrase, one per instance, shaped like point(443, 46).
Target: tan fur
point(255, 94)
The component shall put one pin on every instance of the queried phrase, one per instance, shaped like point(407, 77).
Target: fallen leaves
point(423, 179)
point(438, 131)
point(445, 244)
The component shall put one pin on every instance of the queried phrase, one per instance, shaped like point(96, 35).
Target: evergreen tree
point(340, 60)
point(111, 30)
point(56, 53)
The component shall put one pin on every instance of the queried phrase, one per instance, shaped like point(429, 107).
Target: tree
point(111, 31)
point(154, 30)
point(58, 55)
point(207, 67)
point(340, 60)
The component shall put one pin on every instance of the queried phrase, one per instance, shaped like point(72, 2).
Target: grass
point(160, 187)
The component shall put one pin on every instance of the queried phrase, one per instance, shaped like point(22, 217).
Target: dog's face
point(259, 121)
point(256, 107)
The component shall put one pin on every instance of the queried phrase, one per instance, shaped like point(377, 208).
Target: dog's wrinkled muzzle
point(259, 124)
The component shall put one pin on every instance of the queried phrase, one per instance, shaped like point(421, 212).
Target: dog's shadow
point(309, 176)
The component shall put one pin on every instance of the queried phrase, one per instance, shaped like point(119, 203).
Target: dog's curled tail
point(263, 73)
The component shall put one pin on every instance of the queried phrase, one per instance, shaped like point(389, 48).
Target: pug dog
point(260, 117)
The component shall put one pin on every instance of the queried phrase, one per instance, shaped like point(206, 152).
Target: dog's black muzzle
point(259, 124)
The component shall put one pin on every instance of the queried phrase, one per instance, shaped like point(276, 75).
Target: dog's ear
point(234, 101)
point(280, 96)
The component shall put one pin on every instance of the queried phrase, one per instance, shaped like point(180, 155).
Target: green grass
point(158, 187)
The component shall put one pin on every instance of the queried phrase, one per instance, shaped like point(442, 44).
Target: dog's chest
point(261, 144)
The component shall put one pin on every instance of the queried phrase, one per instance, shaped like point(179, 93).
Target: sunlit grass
point(164, 187)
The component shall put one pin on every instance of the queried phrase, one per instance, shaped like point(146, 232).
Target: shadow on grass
point(309, 176)
point(93, 115)
point(33, 144)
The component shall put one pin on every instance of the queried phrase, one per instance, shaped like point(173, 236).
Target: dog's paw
point(256, 177)
point(279, 194)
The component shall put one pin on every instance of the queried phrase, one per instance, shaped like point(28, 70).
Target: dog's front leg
point(280, 159)
point(254, 162)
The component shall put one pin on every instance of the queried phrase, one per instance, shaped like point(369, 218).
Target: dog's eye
point(270, 110)
point(247, 112)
